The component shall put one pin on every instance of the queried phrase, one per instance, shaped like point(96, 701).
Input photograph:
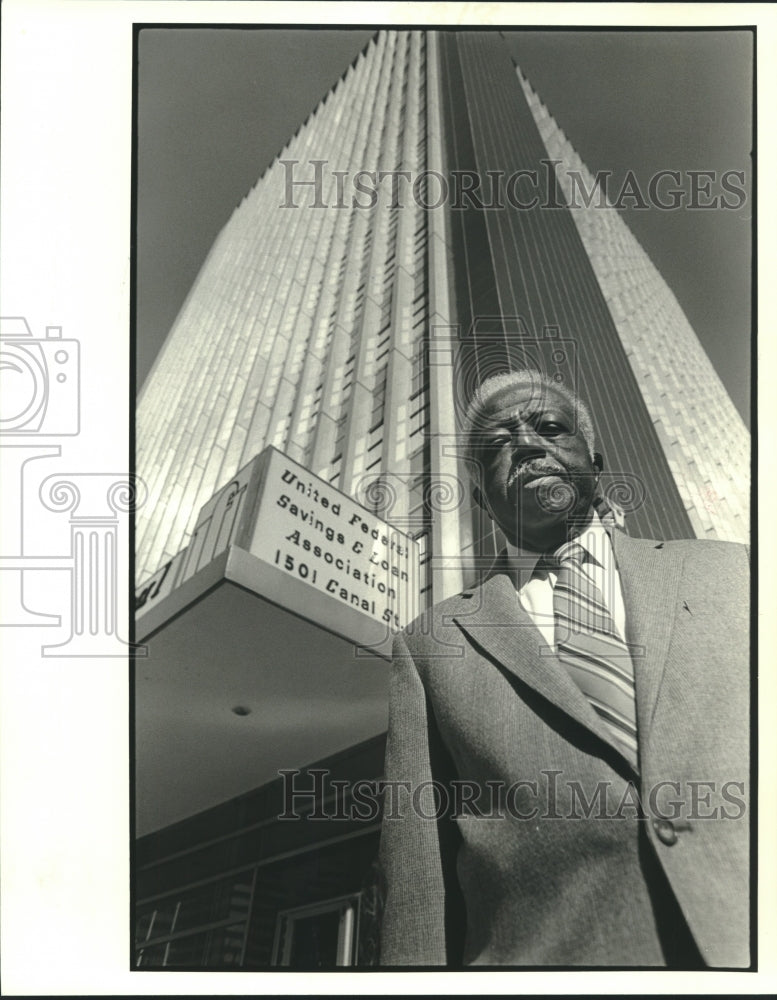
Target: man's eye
point(497, 440)
point(551, 428)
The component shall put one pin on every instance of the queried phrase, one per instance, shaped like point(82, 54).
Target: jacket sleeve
point(421, 922)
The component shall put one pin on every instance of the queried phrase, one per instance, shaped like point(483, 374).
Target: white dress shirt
point(535, 589)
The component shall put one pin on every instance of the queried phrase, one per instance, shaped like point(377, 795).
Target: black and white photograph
point(465, 366)
point(379, 411)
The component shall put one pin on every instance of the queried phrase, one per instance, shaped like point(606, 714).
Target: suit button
point(665, 831)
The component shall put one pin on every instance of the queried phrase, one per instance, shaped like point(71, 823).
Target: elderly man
point(567, 757)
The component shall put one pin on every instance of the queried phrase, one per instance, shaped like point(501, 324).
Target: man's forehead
point(523, 399)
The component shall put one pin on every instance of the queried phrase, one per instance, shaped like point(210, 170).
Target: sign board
point(315, 533)
point(305, 532)
point(160, 585)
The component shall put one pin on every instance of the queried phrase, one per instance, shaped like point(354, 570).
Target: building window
point(204, 926)
point(320, 936)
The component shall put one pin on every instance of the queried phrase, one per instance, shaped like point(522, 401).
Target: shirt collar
point(594, 540)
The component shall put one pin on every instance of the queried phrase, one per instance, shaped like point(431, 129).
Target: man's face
point(537, 473)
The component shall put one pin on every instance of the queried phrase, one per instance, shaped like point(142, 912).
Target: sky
point(215, 106)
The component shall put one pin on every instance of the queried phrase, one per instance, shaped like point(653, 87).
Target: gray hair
point(525, 376)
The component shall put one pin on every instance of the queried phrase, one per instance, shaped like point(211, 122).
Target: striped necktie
point(589, 646)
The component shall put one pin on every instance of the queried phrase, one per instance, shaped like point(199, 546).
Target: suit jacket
point(564, 858)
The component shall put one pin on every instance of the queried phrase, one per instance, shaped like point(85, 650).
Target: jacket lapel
point(650, 577)
point(493, 618)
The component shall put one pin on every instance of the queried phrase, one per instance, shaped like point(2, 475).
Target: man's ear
point(481, 500)
point(598, 462)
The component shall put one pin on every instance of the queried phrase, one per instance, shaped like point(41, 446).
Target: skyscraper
point(310, 323)
point(427, 225)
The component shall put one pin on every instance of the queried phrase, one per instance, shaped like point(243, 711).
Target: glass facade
point(700, 432)
point(534, 265)
point(306, 324)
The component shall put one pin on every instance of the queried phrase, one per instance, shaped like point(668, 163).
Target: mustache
point(535, 467)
